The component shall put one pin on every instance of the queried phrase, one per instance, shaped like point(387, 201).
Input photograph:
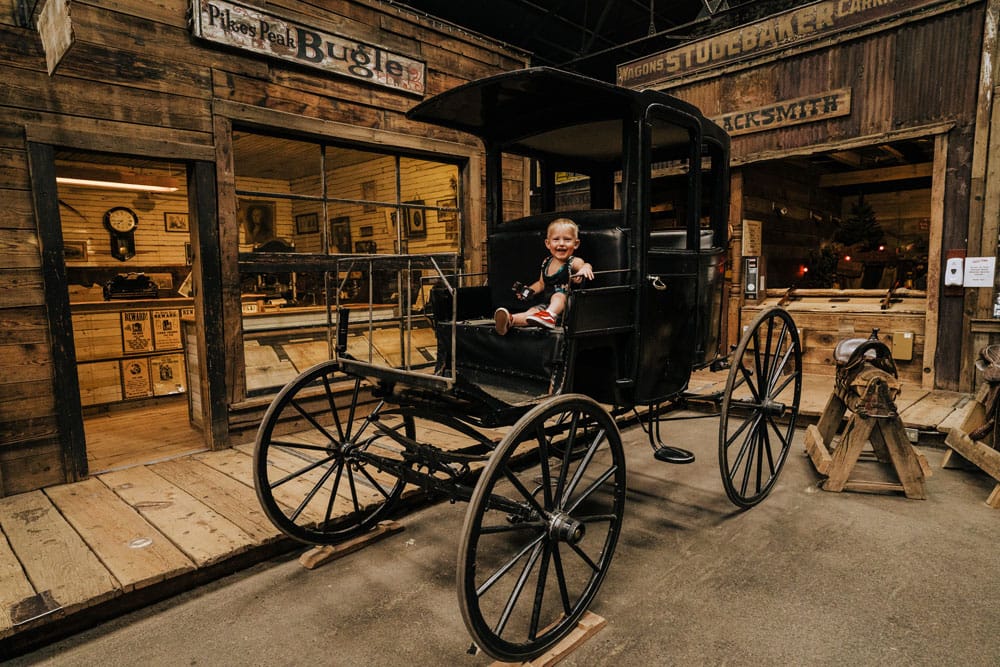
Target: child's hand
point(585, 271)
point(522, 291)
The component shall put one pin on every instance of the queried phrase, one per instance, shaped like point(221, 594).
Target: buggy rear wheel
point(541, 528)
point(313, 463)
point(759, 407)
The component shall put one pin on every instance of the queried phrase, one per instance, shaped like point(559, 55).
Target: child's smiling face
point(561, 242)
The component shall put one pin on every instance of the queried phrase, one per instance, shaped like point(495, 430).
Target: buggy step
point(669, 454)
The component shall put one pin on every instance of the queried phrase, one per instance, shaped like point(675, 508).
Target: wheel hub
point(565, 528)
point(773, 408)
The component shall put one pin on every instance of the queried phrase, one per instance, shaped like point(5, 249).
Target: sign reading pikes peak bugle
point(250, 29)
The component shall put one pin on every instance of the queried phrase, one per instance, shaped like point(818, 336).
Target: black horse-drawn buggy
point(340, 444)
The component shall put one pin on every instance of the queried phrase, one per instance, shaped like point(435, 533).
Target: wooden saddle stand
point(867, 384)
point(975, 440)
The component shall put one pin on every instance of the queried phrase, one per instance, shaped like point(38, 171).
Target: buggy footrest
point(669, 454)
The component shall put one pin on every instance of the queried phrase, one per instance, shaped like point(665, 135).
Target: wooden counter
point(824, 318)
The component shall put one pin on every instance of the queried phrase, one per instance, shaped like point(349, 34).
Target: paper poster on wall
point(752, 246)
point(979, 271)
point(137, 332)
point(168, 374)
point(167, 329)
point(135, 378)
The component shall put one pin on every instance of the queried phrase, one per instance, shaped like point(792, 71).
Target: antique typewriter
point(130, 286)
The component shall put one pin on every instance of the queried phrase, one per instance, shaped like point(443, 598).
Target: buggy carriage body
point(645, 177)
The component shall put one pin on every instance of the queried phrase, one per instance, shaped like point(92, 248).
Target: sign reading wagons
point(235, 25)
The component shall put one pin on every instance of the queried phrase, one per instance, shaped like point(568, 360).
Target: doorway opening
point(128, 255)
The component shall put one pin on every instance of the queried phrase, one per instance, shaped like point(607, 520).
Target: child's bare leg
point(521, 319)
point(557, 303)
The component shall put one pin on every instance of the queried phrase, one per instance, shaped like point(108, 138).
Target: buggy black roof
point(524, 110)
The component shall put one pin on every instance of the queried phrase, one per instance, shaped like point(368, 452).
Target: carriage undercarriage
point(340, 446)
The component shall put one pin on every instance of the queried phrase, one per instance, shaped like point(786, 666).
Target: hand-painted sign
point(808, 109)
point(781, 31)
point(248, 28)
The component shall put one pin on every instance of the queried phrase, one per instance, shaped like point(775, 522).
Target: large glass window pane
point(276, 166)
point(304, 197)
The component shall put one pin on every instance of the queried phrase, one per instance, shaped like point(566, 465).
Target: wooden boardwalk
point(124, 538)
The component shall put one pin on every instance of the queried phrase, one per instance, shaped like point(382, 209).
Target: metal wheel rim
point(747, 456)
point(304, 489)
point(539, 555)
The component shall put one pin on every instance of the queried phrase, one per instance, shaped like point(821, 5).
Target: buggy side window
point(688, 178)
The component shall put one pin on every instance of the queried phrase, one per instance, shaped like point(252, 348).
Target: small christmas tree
point(860, 230)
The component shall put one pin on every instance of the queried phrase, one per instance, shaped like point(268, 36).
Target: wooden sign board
point(810, 25)
point(56, 30)
point(135, 378)
point(808, 109)
point(246, 27)
point(137, 332)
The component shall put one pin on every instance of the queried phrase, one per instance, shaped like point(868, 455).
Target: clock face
point(121, 219)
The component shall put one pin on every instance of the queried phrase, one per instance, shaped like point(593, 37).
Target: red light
point(847, 258)
point(881, 248)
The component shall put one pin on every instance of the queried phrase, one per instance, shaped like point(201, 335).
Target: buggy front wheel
point(541, 528)
point(316, 459)
point(759, 407)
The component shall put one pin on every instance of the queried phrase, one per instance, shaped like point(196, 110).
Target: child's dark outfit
point(557, 283)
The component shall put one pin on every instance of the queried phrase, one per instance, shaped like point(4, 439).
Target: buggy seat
point(530, 360)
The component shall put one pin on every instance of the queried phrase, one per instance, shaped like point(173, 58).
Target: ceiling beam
point(885, 174)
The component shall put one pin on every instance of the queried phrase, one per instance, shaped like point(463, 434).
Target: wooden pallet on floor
point(588, 626)
point(322, 555)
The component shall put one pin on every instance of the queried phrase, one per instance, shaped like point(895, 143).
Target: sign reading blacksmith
point(247, 28)
point(810, 23)
point(808, 109)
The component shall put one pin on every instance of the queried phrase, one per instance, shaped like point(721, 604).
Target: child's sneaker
point(542, 318)
point(501, 318)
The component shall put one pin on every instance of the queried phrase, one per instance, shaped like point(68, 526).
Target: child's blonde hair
point(563, 222)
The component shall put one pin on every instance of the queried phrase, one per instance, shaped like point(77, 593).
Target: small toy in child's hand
point(522, 291)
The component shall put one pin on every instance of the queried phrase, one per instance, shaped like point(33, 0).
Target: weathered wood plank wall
point(136, 81)
point(921, 74)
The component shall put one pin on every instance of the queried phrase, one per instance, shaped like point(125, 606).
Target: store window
point(314, 198)
point(853, 219)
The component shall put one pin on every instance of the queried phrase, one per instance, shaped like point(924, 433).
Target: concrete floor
point(806, 578)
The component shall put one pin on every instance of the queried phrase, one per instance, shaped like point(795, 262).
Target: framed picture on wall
point(307, 223)
point(257, 218)
point(366, 247)
point(176, 222)
point(416, 221)
point(340, 234)
point(448, 218)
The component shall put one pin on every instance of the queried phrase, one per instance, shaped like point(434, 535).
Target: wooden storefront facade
point(841, 106)
point(143, 89)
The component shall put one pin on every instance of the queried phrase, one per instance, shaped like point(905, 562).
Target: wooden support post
point(586, 628)
point(322, 555)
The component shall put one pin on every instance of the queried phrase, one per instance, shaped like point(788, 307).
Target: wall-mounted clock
point(121, 222)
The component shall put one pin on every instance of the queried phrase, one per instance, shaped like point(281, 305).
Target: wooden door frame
point(66, 382)
point(41, 144)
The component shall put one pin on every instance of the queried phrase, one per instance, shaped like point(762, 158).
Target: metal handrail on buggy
point(405, 263)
